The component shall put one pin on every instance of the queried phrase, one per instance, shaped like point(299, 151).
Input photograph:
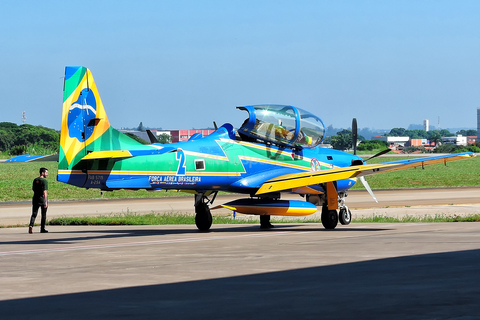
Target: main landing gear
point(330, 217)
point(203, 216)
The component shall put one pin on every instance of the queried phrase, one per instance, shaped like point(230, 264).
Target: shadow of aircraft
point(112, 232)
point(430, 286)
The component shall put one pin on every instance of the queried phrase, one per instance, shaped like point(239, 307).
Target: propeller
point(379, 154)
point(354, 141)
point(367, 186)
point(354, 135)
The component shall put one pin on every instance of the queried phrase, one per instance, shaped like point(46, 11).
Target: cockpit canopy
point(283, 125)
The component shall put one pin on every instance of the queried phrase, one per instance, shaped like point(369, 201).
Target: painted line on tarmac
point(147, 243)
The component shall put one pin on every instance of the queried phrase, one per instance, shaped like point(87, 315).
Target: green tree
point(446, 133)
point(26, 135)
point(397, 132)
point(470, 132)
point(434, 136)
point(369, 145)
point(138, 139)
point(343, 140)
point(164, 138)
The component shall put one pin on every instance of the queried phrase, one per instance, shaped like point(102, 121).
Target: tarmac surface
point(359, 271)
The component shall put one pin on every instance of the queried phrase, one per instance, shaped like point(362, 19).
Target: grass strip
point(165, 219)
point(16, 181)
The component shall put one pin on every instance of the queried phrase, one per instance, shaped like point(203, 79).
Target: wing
point(29, 158)
point(297, 180)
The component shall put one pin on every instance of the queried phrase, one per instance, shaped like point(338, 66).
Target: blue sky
point(184, 64)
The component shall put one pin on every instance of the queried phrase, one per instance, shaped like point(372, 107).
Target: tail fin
point(85, 126)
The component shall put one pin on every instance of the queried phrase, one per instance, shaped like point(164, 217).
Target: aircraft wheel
point(345, 216)
point(329, 218)
point(203, 217)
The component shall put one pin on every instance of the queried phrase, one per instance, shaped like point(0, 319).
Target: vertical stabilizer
point(83, 118)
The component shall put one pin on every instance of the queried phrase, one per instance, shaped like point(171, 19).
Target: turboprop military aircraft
point(275, 151)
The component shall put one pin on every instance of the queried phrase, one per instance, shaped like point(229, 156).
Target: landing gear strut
point(265, 222)
point(203, 216)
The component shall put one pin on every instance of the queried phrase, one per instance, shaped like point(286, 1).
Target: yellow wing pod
point(107, 155)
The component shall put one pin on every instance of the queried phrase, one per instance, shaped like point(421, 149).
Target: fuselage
point(220, 161)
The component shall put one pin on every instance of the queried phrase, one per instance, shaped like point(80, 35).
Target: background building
point(426, 125)
point(393, 142)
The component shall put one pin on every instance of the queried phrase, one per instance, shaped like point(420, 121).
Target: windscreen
point(275, 123)
point(283, 125)
point(312, 130)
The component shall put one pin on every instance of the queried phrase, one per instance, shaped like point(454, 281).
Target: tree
point(446, 133)
point(369, 145)
point(397, 132)
point(470, 132)
point(164, 138)
point(343, 140)
point(434, 136)
point(134, 137)
point(25, 136)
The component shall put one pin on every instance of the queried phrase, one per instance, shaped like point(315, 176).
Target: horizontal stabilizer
point(113, 154)
point(29, 158)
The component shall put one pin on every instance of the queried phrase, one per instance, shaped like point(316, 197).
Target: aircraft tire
point(329, 218)
point(345, 216)
point(203, 217)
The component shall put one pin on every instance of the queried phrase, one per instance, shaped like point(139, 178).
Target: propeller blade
point(354, 135)
point(379, 154)
point(367, 186)
point(215, 125)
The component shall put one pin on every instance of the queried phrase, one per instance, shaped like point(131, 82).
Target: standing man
point(39, 200)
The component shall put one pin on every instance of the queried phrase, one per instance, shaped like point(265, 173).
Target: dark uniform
point(38, 201)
